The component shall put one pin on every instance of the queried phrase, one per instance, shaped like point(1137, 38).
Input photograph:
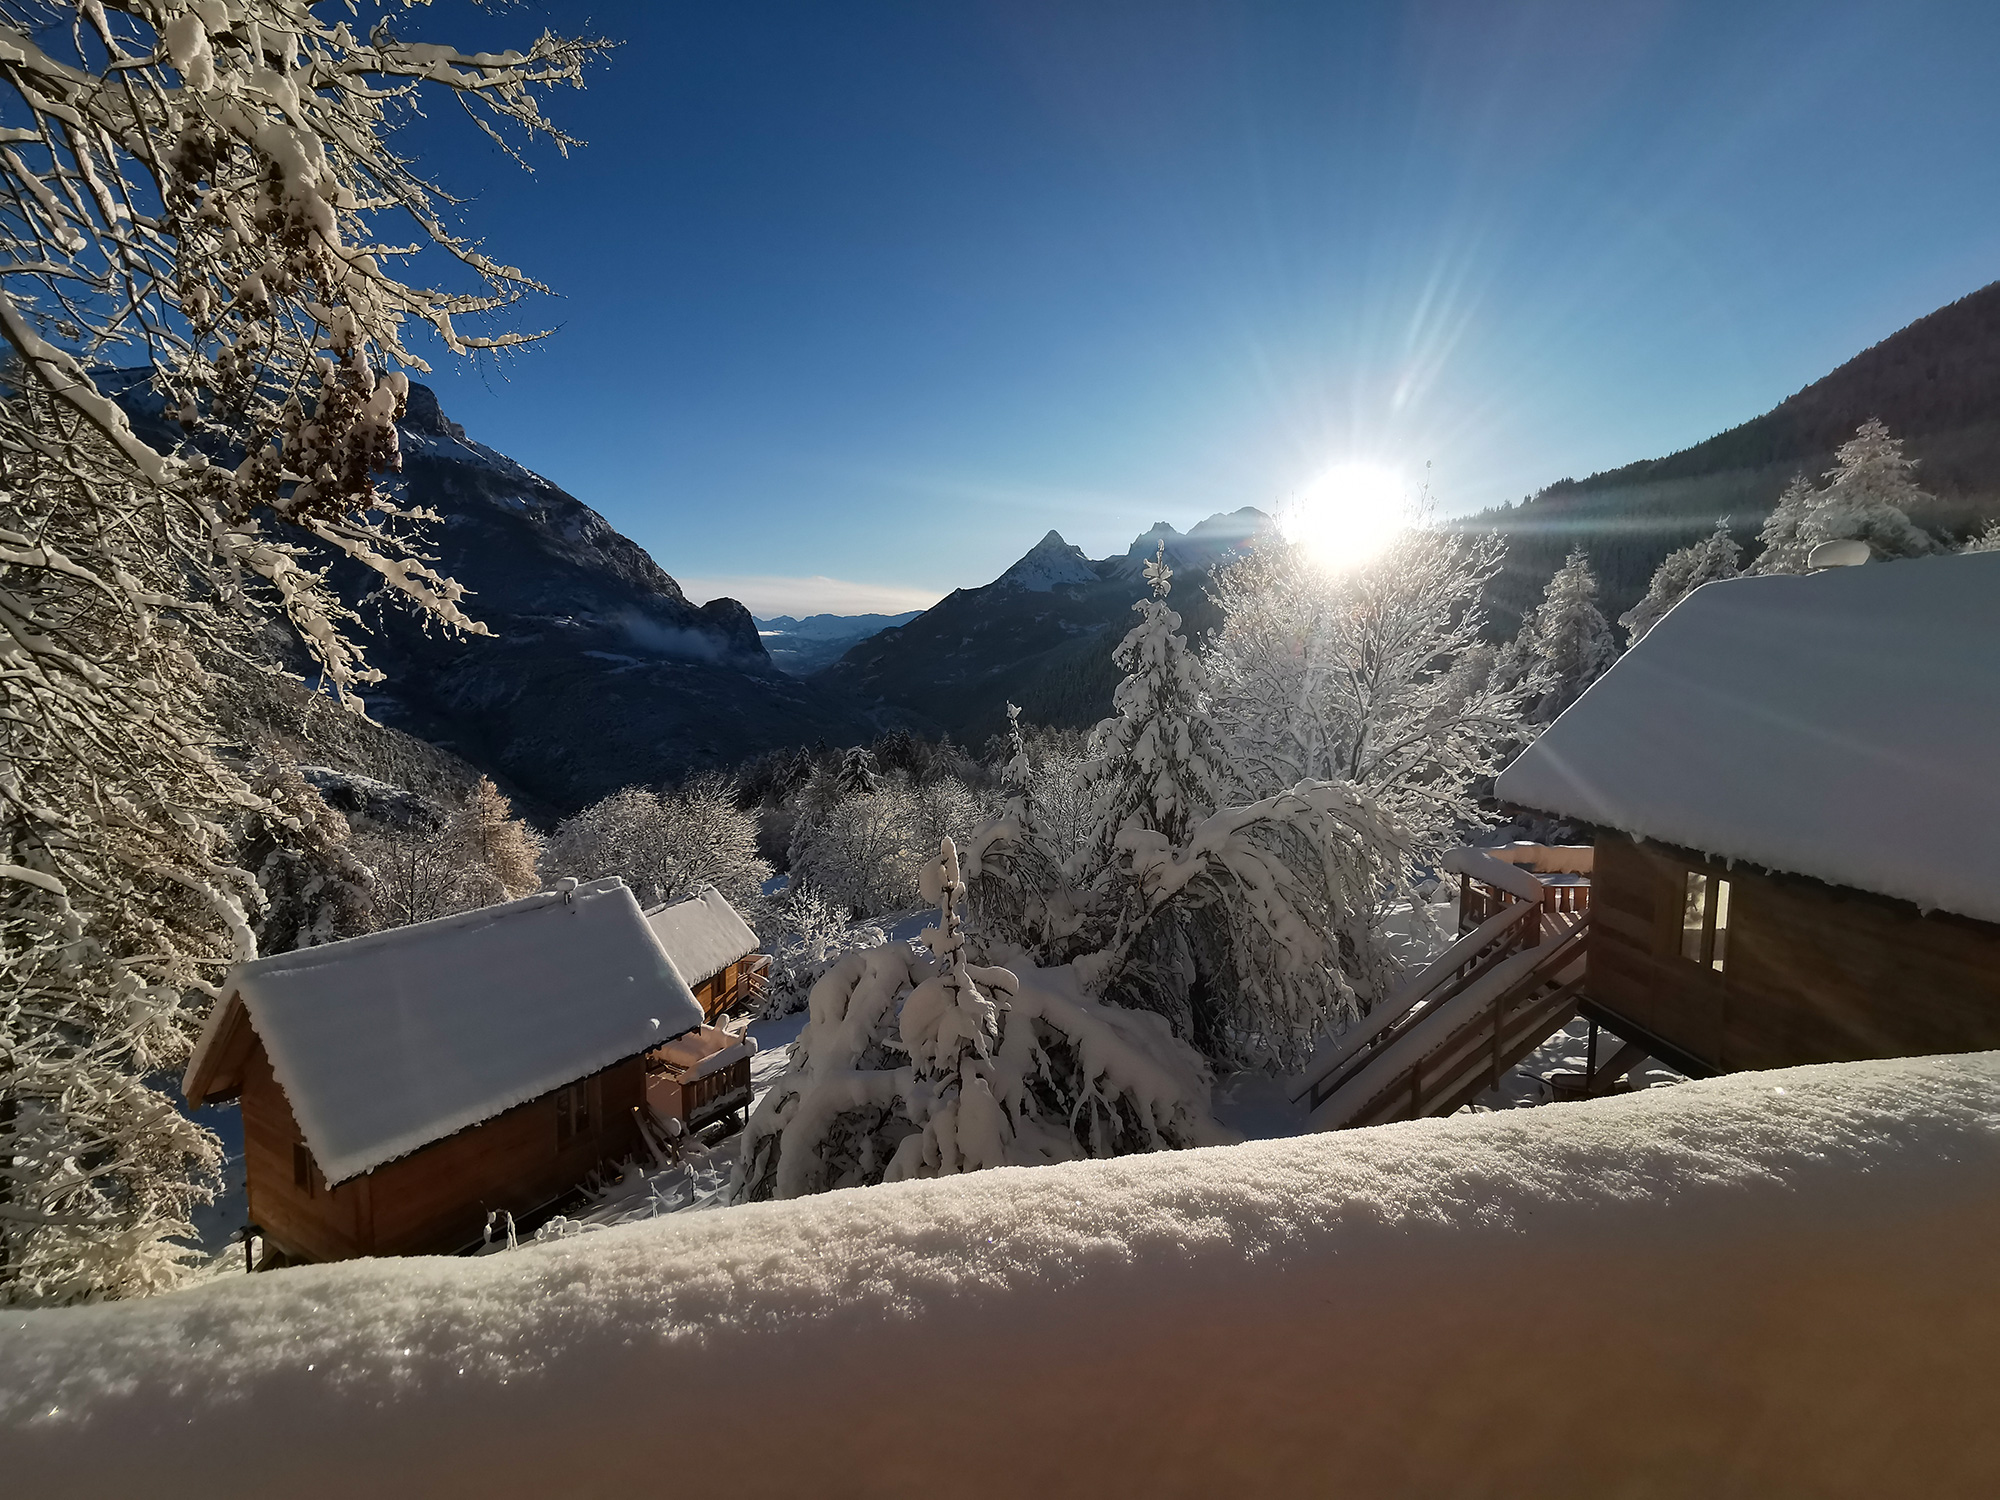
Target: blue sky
point(856, 301)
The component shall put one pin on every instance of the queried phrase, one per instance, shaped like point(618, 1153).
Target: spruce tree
point(1783, 543)
point(1869, 495)
point(1572, 644)
point(1684, 571)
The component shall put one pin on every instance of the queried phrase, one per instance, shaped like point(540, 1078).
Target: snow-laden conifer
point(1783, 544)
point(1986, 541)
point(1569, 645)
point(1869, 495)
point(1685, 570)
point(915, 1067)
point(316, 889)
point(1251, 925)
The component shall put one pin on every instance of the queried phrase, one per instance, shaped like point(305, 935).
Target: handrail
point(1414, 991)
point(1538, 965)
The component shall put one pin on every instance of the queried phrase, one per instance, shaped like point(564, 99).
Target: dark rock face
point(599, 672)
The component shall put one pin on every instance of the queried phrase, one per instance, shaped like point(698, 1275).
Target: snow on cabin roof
point(1840, 725)
point(702, 934)
point(388, 1042)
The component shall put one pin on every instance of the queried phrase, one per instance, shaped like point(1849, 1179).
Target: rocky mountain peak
point(1049, 564)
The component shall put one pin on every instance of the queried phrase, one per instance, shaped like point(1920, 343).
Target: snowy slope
point(1767, 1284)
point(1840, 725)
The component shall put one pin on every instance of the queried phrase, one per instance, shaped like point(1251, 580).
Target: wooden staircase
point(1451, 1031)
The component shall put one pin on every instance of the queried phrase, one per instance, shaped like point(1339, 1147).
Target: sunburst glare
point(1350, 514)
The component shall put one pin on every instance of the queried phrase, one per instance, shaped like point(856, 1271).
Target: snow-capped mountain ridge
point(1049, 563)
point(1040, 634)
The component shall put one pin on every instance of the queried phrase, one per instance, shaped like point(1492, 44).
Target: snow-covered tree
point(856, 775)
point(666, 845)
point(1783, 543)
point(911, 1067)
point(315, 888)
point(867, 849)
point(1379, 676)
point(1569, 646)
point(1685, 570)
point(813, 933)
point(1986, 541)
point(1869, 495)
point(481, 855)
point(1251, 926)
point(120, 904)
point(206, 189)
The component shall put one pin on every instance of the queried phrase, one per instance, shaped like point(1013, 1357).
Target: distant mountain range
point(1935, 383)
point(600, 673)
point(802, 647)
point(1039, 635)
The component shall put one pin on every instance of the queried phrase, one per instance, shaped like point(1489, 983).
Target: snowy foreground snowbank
point(1775, 1283)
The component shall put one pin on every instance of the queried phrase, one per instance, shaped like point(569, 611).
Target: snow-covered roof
point(388, 1042)
point(702, 934)
point(1840, 725)
point(1609, 1287)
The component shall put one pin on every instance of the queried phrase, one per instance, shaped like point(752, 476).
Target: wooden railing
point(1487, 1002)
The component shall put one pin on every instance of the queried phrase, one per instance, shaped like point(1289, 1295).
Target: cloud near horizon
point(768, 595)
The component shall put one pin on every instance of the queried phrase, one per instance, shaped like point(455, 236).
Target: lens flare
point(1350, 514)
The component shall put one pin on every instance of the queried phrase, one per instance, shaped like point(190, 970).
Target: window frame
point(1711, 945)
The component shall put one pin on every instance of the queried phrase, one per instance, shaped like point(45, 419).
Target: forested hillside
point(1935, 383)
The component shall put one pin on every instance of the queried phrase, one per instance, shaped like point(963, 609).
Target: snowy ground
point(1766, 1284)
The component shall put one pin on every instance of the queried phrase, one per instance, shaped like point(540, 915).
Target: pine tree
point(1571, 644)
point(1684, 571)
point(1158, 763)
point(857, 776)
point(1869, 495)
point(1250, 927)
point(1784, 543)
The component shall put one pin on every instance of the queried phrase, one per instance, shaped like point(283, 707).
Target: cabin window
point(305, 1176)
point(573, 1111)
point(1705, 920)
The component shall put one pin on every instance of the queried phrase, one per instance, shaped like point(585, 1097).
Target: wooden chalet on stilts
point(399, 1088)
point(1791, 788)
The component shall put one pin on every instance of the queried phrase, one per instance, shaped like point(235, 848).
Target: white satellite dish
point(1845, 553)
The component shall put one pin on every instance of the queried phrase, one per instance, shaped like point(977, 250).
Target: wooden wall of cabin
point(1812, 972)
point(435, 1200)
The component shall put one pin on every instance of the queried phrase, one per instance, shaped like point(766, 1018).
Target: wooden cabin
point(1791, 782)
point(398, 1088)
point(713, 948)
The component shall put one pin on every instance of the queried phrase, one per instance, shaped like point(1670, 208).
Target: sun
point(1350, 514)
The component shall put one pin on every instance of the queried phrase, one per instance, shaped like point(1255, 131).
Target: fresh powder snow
point(1765, 1284)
